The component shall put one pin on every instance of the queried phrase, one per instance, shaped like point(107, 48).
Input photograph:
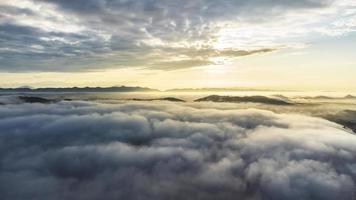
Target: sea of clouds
point(163, 150)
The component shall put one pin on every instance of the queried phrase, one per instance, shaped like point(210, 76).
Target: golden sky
point(297, 45)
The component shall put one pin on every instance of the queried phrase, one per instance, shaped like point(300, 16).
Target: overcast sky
point(289, 44)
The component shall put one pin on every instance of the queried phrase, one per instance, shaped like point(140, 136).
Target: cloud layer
point(63, 35)
point(83, 150)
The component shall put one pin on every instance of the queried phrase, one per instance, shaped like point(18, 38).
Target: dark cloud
point(27, 48)
point(157, 150)
point(116, 33)
point(177, 10)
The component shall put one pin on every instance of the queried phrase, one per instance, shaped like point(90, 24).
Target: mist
point(169, 150)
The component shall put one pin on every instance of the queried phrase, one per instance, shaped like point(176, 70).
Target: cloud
point(82, 35)
point(190, 57)
point(158, 150)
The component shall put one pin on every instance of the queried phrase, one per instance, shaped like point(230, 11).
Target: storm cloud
point(48, 35)
point(158, 150)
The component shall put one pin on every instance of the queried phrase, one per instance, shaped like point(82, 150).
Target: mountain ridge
point(81, 89)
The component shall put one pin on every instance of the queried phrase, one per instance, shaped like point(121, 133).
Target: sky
point(164, 44)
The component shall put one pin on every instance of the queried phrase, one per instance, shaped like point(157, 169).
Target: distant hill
point(345, 117)
point(29, 99)
point(81, 89)
point(330, 97)
point(161, 99)
point(215, 89)
point(244, 99)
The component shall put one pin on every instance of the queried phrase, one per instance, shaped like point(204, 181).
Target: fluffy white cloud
point(72, 150)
